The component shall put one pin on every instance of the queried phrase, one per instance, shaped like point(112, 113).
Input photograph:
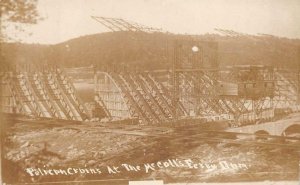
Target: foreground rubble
point(48, 144)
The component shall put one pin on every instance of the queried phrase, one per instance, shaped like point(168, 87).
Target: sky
point(67, 19)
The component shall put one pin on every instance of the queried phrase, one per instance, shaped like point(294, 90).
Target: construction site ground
point(57, 144)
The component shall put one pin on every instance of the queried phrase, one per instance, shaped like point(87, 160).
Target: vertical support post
point(95, 82)
point(175, 81)
point(298, 76)
point(273, 91)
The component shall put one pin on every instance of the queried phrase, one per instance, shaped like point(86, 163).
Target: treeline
point(151, 50)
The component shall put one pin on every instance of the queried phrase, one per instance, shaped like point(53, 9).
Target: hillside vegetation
point(151, 50)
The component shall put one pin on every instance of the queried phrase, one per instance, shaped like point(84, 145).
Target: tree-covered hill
point(151, 50)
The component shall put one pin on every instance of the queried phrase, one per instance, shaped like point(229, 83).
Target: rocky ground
point(53, 144)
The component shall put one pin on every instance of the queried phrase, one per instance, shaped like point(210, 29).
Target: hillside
point(152, 51)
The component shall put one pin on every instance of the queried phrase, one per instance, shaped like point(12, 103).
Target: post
point(298, 75)
point(175, 81)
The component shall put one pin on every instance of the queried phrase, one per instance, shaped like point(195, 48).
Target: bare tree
point(17, 11)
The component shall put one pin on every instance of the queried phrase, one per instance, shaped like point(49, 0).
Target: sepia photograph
point(150, 92)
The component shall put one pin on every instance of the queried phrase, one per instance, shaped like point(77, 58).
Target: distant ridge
point(149, 50)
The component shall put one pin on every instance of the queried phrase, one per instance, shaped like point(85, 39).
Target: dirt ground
point(176, 154)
